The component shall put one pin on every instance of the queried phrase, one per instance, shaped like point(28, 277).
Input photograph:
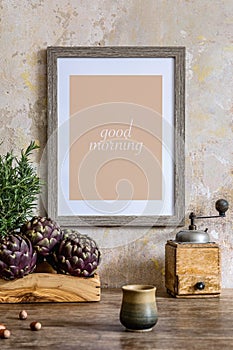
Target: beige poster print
point(115, 137)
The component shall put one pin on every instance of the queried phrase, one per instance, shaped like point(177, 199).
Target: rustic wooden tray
point(50, 287)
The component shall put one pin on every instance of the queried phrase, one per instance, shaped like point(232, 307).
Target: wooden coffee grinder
point(192, 262)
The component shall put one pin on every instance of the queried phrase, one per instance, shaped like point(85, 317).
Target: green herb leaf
point(19, 188)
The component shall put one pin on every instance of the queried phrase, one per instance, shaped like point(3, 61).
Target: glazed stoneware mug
point(138, 308)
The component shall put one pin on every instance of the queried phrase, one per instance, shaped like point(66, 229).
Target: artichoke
point(44, 234)
point(17, 257)
point(76, 254)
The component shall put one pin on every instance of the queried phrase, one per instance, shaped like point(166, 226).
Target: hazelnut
point(23, 315)
point(35, 326)
point(5, 333)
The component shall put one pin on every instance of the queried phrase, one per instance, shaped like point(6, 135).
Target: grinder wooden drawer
point(190, 285)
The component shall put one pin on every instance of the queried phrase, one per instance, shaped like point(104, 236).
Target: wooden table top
point(183, 324)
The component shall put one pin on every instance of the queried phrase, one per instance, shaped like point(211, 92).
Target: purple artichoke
point(17, 257)
point(76, 254)
point(43, 233)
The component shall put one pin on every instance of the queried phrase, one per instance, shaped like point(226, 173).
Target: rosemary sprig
point(19, 188)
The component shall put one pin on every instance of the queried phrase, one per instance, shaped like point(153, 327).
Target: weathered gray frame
point(178, 54)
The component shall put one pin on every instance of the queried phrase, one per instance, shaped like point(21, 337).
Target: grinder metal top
point(192, 235)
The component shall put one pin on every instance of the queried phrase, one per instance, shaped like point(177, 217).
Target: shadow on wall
point(132, 270)
point(40, 115)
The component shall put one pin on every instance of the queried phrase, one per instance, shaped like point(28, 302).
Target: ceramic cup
point(138, 309)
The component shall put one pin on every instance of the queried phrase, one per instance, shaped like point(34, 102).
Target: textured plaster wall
point(205, 27)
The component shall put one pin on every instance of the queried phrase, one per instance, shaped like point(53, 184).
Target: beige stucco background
point(205, 28)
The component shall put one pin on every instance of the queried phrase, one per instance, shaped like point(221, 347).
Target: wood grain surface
point(47, 287)
point(182, 324)
point(189, 264)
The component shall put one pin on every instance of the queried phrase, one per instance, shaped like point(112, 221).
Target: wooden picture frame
point(130, 67)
